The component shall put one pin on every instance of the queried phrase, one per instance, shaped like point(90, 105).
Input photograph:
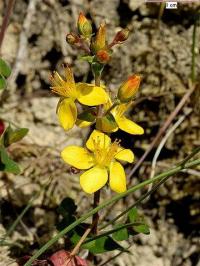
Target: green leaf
point(7, 164)
point(142, 228)
point(2, 82)
point(4, 69)
point(102, 245)
point(67, 207)
point(121, 234)
point(10, 136)
point(133, 215)
point(87, 116)
point(106, 123)
point(17, 135)
point(87, 58)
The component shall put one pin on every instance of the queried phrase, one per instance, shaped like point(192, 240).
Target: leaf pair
point(8, 137)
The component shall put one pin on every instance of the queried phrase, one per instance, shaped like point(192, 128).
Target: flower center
point(104, 154)
point(63, 88)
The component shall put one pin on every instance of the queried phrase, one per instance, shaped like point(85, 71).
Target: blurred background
point(159, 48)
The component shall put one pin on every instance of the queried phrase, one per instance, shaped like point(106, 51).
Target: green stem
point(109, 232)
point(113, 106)
point(193, 74)
point(107, 203)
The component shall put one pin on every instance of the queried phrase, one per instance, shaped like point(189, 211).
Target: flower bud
point(84, 26)
point(99, 42)
point(103, 56)
point(2, 127)
point(129, 88)
point(121, 36)
point(72, 38)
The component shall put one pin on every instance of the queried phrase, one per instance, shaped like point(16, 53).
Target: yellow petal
point(129, 126)
point(125, 155)
point(93, 179)
point(67, 113)
point(77, 157)
point(82, 123)
point(69, 76)
point(91, 95)
point(99, 139)
point(117, 177)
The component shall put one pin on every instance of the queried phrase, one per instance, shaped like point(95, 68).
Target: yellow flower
point(129, 88)
point(124, 123)
point(99, 159)
point(70, 91)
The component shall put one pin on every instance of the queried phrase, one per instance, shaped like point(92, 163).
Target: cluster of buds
point(95, 45)
point(100, 157)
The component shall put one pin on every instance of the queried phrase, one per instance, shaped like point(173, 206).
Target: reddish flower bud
point(2, 127)
point(84, 26)
point(129, 88)
point(120, 37)
point(103, 56)
point(72, 38)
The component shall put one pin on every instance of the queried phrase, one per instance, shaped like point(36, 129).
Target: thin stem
point(109, 232)
point(113, 106)
point(95, 217)
point(108, 202)
point(193, 74)
point(6, 20)
point(80, 242)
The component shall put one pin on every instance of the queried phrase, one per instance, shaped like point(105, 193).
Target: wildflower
point(99, 159)
point(124, 123)
point(129, 88)
point(70, 91)
point(84, 26)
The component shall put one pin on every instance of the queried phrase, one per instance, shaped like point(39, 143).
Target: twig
point(193, 74)
point(162, 144)
point(163, 129)
point(163, 141)
point(6, 20)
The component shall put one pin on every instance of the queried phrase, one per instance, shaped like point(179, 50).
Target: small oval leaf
point(4, 69)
